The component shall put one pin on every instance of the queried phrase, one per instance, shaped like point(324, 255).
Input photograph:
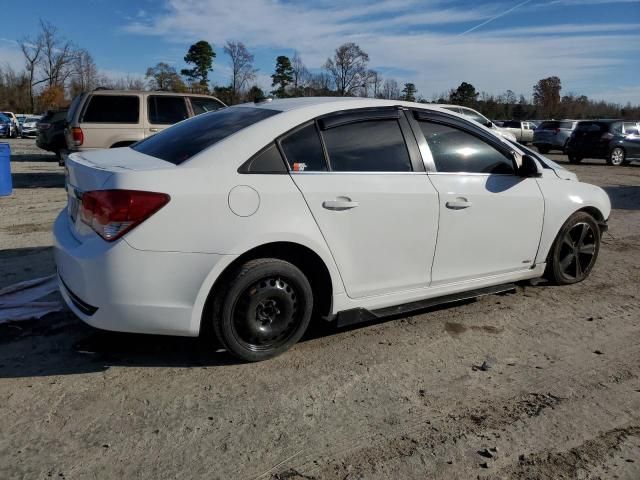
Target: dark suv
point(616, 141)
point(51, 132)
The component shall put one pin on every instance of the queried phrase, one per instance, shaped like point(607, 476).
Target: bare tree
point(300, 74)
point(164, 77)
point(57, 57)
point(390, 89)
point(31, 49)
point(348, 67)
point(85, 73)
point(242, 68)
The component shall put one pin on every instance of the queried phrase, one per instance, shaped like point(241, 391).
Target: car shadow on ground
point(38, 180)
point(60, 344)
point(624, 197)
point(33, 157)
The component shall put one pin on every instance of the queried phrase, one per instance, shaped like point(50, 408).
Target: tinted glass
point(549, 125)
point(268, 161)
point(616, 127)
point(59, 116)
point(454, 150)
point(166, 110)
point(304, 150)
point(179, 143)
point(511, 124)
point(631, 129)
point(592, 127)
point(73, 107)
point(475, 116)
point(112, 109)
point(370, 146)
point(204, 105)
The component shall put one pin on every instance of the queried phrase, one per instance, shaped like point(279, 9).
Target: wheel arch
point(303, 257)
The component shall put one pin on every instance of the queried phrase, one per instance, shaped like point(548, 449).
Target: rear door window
point(180, 142)
point(631, 129)
point(367, 146)
point(112, 109)
point(204, 105)
point(511, 124)
point(166, 110)
point(303, 150)
point(455, 150)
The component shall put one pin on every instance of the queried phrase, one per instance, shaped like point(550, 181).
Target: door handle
point(458, 204)
point(154, 129)
point(339, 204)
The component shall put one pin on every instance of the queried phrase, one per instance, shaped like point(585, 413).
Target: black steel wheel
point(265, 310)
point(575, 250)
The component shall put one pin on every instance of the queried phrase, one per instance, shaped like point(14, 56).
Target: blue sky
point(592, 45)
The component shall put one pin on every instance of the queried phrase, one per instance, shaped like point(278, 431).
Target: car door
point(490, 218)
point(163, 111)
point(364, 182)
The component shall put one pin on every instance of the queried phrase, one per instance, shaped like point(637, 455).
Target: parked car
point(553, 135)
point(5, 125)
point(30, 127)
point(112, 118)
point(256, 219)
point(615, 141)
point(522, 130)
point(14, 130)
point(51, 132)
point(478, 117)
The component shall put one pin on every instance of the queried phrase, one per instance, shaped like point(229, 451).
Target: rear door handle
point(154, 129)
point(339, 204)
point(458, 204)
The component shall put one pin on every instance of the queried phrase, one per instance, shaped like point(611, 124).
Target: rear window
point(592, 127)
point(511, 124)
point(73, 107)
point(112, 109)
point(552, 125)
point(180, 142)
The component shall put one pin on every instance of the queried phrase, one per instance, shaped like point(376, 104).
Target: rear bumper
point(113, 286)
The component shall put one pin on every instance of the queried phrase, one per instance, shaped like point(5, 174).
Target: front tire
point(575, 250)
point(616, 157)
point(574, 159)
point(265, 309)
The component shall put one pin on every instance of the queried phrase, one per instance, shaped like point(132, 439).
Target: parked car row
point(615, 141)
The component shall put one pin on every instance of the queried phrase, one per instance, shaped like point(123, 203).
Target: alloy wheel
point(617, 156)
point(577, 252)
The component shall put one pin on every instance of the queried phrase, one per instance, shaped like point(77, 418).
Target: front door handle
point(153, 129)
point(339, 204)
point(458, 204)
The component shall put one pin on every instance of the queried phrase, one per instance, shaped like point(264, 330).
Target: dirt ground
point(401, 398)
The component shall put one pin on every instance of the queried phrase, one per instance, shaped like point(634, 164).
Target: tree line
point(57, 69)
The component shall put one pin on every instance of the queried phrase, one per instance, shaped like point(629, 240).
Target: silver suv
point(118, 118)
point(553, 135)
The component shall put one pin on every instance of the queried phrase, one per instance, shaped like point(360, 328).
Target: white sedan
point(259, 218)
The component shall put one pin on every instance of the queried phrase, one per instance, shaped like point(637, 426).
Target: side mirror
point(489, 124)
point(528, 168)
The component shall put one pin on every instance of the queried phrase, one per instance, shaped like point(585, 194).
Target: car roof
point(105, 91)
point(335, 104)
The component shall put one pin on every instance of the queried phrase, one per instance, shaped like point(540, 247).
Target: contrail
point(493, 18)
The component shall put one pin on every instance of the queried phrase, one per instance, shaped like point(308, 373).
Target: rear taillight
point(44, 126)
point(77, 135)
point(606, 136)
point(112, 213)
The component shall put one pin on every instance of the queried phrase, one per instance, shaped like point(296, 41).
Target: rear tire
point(543, 150)
point(265, 309)
point(575, 250)
point(616, 157)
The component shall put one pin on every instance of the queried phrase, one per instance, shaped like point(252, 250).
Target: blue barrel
point(5, 169)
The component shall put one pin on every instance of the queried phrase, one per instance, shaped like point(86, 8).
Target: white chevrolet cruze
point(259, 218)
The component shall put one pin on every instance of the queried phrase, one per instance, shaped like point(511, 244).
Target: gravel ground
point(402, 398)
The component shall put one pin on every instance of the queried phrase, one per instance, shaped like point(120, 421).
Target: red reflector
point(112, 213)
point(77, 135)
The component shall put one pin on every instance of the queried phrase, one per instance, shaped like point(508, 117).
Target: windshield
point(182, 141)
